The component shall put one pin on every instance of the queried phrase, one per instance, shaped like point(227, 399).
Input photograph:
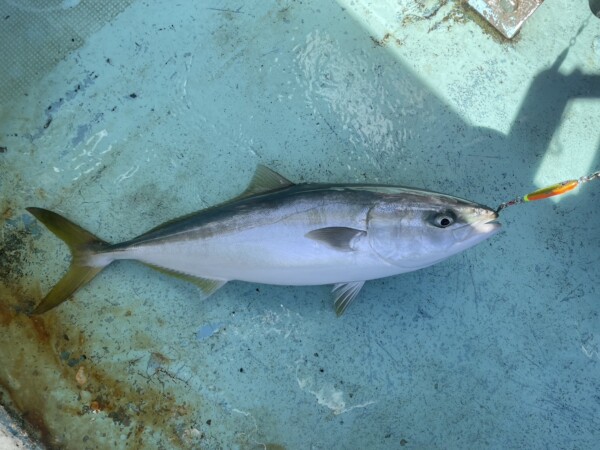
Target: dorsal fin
point(265, 180)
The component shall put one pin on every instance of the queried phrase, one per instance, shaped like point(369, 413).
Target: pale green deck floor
point(124, 118)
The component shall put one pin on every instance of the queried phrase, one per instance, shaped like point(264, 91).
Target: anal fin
point(207, 285)
point(344, 294)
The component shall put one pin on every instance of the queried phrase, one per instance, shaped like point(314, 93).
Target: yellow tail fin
point(82, 244)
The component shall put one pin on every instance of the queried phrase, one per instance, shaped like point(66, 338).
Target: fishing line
point(569, 185)
point(550, 191)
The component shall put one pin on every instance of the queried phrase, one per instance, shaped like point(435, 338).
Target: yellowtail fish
point(278, 232)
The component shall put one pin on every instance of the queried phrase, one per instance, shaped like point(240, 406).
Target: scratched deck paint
point(131, 116)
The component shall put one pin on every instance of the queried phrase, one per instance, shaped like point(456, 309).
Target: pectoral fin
point(340, 238)
point(207, 285)
point(344, 294)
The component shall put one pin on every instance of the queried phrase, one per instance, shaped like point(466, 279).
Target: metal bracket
point(507, 16)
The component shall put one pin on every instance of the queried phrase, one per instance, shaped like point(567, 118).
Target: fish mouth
point(479, 229)
point(488, 224)
point(487, 227)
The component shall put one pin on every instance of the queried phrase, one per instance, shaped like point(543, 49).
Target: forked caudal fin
point(82, 244)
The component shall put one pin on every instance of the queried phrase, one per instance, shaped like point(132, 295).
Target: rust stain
point(58, 382)
point(35, 420)
point(387, 37)
point(460, 13)
point(463, 13)
point(39, 328)
point(159, 359)
point(7, 213)
point(42, 367)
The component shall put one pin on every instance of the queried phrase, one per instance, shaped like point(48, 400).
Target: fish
point(282, 233)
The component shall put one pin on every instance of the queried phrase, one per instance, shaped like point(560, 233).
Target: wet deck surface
point(149, 113)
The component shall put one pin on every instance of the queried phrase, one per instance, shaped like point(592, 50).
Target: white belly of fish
point(271, 254)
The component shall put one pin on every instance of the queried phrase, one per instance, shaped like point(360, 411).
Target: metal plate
point(507, 16)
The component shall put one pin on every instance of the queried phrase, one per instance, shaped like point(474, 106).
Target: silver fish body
point(281, 233)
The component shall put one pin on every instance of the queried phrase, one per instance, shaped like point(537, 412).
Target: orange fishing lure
point(550, 191)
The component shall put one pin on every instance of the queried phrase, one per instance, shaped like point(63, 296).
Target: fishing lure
point(550, 191)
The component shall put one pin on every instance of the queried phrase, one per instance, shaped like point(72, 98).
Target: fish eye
point(443, 220)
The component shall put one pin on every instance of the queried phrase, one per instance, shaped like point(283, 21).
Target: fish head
point(416, 229)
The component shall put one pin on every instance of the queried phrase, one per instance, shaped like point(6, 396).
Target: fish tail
point(83, 245)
